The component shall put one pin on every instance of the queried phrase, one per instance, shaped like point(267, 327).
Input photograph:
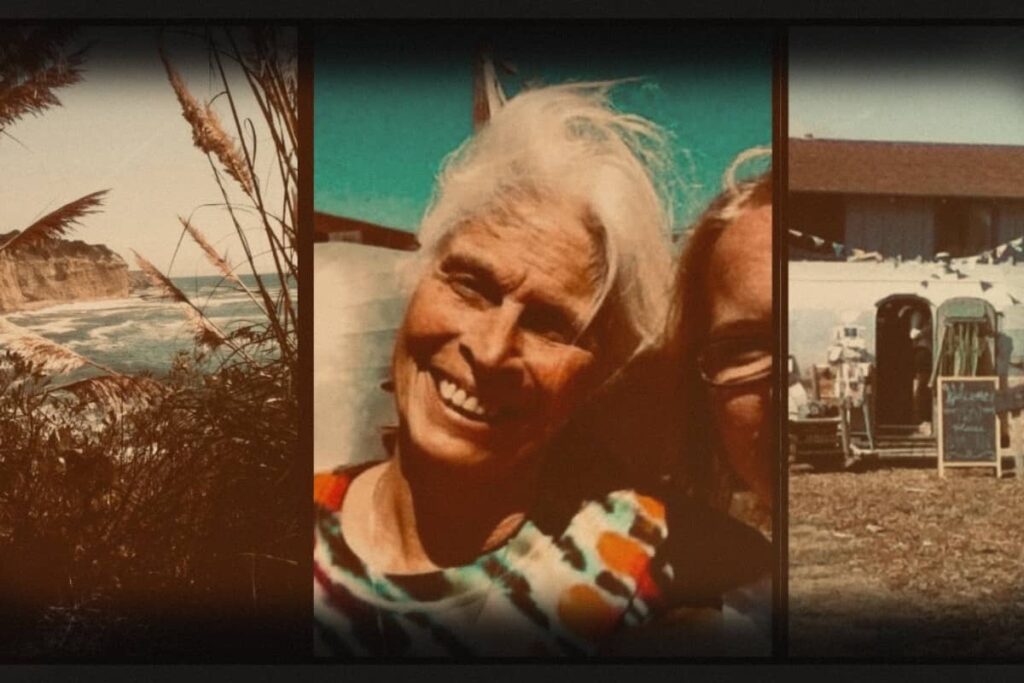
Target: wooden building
point(906, 199)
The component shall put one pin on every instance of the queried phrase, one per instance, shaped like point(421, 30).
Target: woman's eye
point(549, 325)
point(467, 286)
point(556, 336)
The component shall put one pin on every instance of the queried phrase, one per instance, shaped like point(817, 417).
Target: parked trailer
point(969, 320)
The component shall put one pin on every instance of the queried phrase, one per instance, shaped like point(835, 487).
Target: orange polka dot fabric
point(539, 595)
point(586, 612)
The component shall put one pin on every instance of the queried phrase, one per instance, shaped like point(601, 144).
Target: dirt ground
point(896, 562)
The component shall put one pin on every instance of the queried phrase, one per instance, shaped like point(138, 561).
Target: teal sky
point(390, 103)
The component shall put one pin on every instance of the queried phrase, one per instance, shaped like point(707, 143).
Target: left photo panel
point(149, 441)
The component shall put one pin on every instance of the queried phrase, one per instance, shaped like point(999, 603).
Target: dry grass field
point(896, 562)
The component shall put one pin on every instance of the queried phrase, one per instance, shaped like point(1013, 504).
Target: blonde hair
point(568, 142)
point(739, 193)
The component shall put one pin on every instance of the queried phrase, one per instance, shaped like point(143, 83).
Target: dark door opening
point(963, 228)
point(903, 353)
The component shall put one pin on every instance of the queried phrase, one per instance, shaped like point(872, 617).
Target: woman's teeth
point(458, 398)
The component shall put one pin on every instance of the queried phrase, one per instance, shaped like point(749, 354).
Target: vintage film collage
point(639, 341)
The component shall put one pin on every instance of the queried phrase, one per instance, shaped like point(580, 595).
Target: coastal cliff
point(59, 271)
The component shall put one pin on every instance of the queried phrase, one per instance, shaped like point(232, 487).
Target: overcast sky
point(121, 128)
point(924, 84)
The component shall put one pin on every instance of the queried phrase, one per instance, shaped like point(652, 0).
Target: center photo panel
point(543, 341)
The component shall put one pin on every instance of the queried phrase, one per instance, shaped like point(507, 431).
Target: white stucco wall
point(358, 307)
point(825, 294)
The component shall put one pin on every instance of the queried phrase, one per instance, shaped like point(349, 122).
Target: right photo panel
point(905, 221)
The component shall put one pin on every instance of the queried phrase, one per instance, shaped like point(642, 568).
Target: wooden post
point(1017, 443)
point(937, 430)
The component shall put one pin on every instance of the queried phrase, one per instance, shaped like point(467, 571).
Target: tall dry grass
point(35, 62)
point(154, 516)
point(266, 60)
point(57, 223)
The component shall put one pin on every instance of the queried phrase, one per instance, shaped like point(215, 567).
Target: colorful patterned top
point(534, 596)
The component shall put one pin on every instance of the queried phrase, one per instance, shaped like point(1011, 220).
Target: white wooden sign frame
point(998, 463)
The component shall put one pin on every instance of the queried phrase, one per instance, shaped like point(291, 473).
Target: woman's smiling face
point(493, 355)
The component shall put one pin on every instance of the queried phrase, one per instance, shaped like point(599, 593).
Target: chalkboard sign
point(968, 427)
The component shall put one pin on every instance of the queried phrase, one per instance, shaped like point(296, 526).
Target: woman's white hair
point(567, 142)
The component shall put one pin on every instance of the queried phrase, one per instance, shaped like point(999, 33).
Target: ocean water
point(144, 331)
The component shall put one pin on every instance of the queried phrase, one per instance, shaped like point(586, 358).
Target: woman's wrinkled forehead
point(739, 279)
point(549, 223)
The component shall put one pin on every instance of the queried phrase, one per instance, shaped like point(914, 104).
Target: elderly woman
point(545, 264)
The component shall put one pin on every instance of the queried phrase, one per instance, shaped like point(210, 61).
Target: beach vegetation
point(156, 516)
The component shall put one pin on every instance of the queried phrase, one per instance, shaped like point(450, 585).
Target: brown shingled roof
point(905, 168)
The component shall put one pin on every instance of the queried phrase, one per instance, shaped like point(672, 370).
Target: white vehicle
point(894, 327)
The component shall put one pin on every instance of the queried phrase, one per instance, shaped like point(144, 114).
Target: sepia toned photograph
point(535, 384)
point(148, 343)
point(905, 230)
point(544, 342)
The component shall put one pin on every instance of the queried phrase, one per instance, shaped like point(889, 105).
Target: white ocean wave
point(130, 333)
point(106, 331)
point(89, 347)
point(49, 328)
point(136, 333)
point(84, 306)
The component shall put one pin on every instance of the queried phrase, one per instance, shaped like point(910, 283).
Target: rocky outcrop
point(59, 271)
point(138, 281)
